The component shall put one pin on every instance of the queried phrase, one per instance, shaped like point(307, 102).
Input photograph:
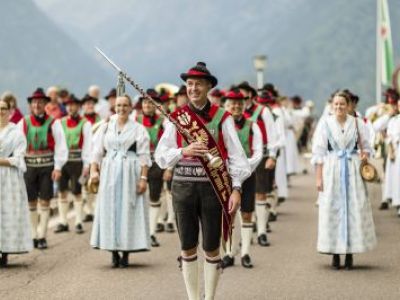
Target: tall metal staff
point(213, 161)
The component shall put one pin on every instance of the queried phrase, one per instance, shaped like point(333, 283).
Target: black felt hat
point(73, 99)
point(153, 94)
point(244, 85)
point(89, 98)
point(200, 71)
point(111, 93)
point(38, 94)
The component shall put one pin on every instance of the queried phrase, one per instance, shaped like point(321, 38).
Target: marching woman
point(15, 230)
point(345, 218)
point(122, 149)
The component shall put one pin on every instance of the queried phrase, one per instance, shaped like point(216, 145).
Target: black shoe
point(124, 261)
point(42, 244)
point(4, 260)
point(272, 217)
point(268, 229)
point(170, 228)
point(61, 228)
point(227, 261)
point(35, 243)
point(79, 229)
point(384, 206)
point(160, 227)
point(348, 262)
point(263, 241)
point(336, 261)
point(246, 262)
point(154, 242)
point(115, 259)
point(281, 199)
point(88, 218)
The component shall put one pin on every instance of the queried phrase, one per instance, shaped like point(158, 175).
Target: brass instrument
point(92, 187)
point(213, 161)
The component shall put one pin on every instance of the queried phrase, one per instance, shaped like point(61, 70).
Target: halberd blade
point(109, 60)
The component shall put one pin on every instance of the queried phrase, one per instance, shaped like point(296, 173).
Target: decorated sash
point(219, 177)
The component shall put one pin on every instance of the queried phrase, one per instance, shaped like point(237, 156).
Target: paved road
point(289, 269)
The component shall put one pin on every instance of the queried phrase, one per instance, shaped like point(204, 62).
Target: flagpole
point(378, 53)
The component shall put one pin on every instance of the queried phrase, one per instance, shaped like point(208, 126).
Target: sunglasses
point(4, 108)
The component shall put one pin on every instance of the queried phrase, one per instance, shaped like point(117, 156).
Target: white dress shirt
point(168, 154)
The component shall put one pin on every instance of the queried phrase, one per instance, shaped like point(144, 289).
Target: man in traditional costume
point(154, 125)
point(393, 140)
point(78, 133)
point(251, 139)
point(181, 97)
point(265, 172)
point(89, 113)
point(216, 97)
point(46, 154)
point(201, 187)
point(282, 191)
point(111, 98)
point(380, 126)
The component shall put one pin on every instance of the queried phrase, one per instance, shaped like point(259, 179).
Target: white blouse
point(343, 137)
point(13, 146)
point(257, 147)
point(131, 133)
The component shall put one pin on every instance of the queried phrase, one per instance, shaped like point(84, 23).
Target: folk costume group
point(219, 164)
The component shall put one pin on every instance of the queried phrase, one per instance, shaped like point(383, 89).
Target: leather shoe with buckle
point(115, 259)
point(154, 242)
point(227, 261)
point(160, 227)
point(246, 262)
point(79, 229)
point(88, 218)
point(4, 260)
point(272, 217)
point(263, 241)
point(61, 228)
point(336, 261)
point(348, 262)
point(384, 206)
point(42, 244)
point(124, 261)
point(170, 228)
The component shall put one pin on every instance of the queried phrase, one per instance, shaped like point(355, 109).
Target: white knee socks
point(63, 206)
point(261, 214)
point(211, 276)
point(153, 216)
point(34, 221)
point(190, 272)
point(44, 213)
point(78, 208)
point(246, 232)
